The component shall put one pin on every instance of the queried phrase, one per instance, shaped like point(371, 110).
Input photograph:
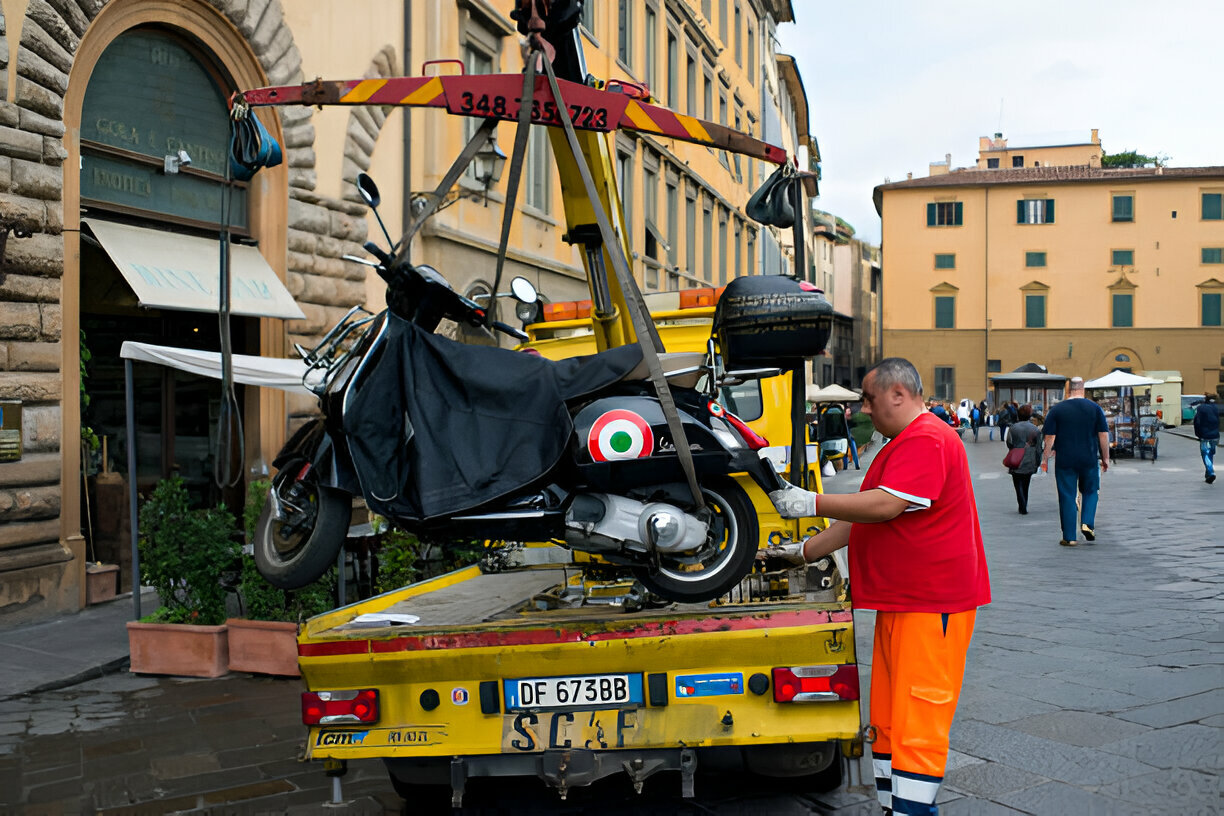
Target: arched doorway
point(186, 51)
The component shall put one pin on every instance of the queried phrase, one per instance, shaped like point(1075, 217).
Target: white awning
point(831, 393)
point(269, 372)
point(1120, 379)
point(168, 270)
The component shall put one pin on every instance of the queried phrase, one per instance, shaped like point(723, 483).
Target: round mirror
point(368, 190)
point(522, 290)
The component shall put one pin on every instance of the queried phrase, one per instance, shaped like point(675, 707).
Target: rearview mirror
point(523, 290)
point(368, 190)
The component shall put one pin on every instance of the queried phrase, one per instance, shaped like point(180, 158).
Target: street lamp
point(487, 166)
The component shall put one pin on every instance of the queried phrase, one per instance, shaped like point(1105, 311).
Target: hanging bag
point(1013, 458)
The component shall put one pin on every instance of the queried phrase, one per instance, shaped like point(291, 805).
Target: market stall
point(1131, 416)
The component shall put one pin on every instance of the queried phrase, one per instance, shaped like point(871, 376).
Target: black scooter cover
point(439, 427)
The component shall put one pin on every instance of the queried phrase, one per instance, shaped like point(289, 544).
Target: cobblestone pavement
point(1093, 686)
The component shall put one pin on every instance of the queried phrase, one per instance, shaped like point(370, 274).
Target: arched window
point(155, 133)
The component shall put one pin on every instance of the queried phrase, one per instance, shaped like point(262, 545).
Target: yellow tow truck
point(482, 672)
point(497, 669)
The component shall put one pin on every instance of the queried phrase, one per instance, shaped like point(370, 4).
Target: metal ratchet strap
point(798, 470)
point(643, 326)
point(465, 158)
point(517, 156)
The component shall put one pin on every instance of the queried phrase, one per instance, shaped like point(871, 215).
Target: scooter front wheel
point(296, 546)
point(725, 559)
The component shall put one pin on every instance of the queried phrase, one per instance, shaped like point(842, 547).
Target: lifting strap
point(517, 156)
point(639, 316)
point(461, 162)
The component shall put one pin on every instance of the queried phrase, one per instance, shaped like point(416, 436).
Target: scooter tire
point(307, 562)
point(730, 500)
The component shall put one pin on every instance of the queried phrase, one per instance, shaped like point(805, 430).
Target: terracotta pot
point(263, 647)
point(178, 648)
point(101, 582)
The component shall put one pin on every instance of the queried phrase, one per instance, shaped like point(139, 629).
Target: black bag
point(771, 204)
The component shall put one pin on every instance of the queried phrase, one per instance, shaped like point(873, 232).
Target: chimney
point(909, 176)
point(1096, 138)
point(948, 159)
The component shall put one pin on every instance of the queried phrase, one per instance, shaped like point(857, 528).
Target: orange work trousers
point(918, 665)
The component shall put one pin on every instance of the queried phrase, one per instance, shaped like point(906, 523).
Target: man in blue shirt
point(1075, 431)
point(1207, 429)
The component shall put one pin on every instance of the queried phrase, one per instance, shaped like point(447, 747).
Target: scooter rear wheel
point(726, 559)
point(291, 554)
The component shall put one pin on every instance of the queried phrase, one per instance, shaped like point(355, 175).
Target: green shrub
point(262, 601)
point(398, 557)
point(183, 553)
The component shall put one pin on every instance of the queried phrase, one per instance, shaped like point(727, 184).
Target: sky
point(894, 85)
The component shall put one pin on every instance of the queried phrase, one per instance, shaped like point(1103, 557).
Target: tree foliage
point(1131, 158)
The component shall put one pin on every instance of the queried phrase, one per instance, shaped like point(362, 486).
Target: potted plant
point(264, 640)
point(183, 552)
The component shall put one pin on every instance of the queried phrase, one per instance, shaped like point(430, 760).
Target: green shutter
point(1020, 211)
point(945, 260)
point(1123, 311)
point(1213, 203)
point(1049, 214)
point(930, 215)
point(1211, 308)
point(945, 312)
point(1034, 259)
point(1034, 311)
point(960, 214)
point(1122, 257)
point(1123, 208)
point(1213, 255)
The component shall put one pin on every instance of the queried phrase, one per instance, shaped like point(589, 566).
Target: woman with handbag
point(1023, 441)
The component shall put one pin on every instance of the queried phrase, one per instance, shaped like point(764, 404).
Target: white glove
point(794, 502)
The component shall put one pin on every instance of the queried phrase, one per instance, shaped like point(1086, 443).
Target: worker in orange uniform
point(916, 557)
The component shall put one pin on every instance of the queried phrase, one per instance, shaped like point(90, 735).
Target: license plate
point(573, 692)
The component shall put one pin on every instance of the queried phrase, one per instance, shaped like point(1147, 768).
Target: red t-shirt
point(930, 558)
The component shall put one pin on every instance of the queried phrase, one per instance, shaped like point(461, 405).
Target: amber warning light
point(349, 706)
point(816, 684)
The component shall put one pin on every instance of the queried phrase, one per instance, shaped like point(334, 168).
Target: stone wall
point(36, 576)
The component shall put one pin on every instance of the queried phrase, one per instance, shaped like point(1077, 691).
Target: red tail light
point(754, 440)
point(349, 706)
point(816, 684)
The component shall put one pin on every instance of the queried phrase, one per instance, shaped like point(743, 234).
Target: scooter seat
point(673, 362)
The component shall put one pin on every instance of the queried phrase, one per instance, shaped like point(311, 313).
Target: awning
point(168, 270)
point(269, 372)
point(1120, 379)
point(831, 393)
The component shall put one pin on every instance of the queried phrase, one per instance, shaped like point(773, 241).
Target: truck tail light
point(753, 439)
point(348, 706)
point(816, 684)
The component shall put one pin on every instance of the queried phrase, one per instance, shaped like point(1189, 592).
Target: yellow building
point(101, 100)
point(1040, 254)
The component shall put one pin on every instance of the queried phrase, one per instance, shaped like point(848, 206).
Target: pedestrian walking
point(1075, 433)
point(975, 421)
point(1002, 420)
point(1207, 429)
point(1024, 434)
point(916, 557)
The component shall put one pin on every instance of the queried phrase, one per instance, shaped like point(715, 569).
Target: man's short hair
point(1025, 411)
point(1077, 383)
point(897, 371)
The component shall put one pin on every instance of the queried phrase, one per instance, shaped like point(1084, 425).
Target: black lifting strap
point(643, 326)
point(517, 156)
point(461, 162)
point(799, 463)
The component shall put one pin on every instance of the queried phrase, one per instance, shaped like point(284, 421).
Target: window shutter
point(1034, 311)
point(1211, 308)
point(960, 211)
point(945, 312)
point(1020, 211)
point(1212, 206)
point(1123, 310)
point(930, 215)
point(1049, 215)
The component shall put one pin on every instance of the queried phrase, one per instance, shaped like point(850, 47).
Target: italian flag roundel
point(620, 434)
